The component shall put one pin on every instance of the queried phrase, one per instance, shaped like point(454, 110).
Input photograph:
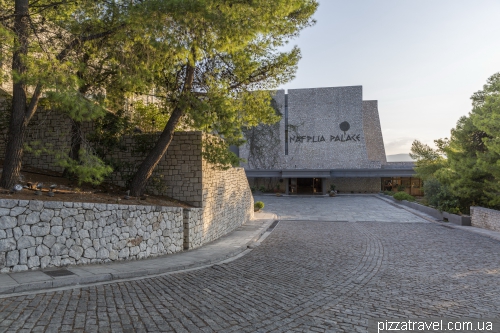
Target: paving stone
point(306, 276)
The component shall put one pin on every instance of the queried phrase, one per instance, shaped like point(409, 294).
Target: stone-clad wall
point(373, 131)
point(227, 204)
point(485, 218)
point(318, 113)
point(37, 234)
point(226, 197)
point(178, 174)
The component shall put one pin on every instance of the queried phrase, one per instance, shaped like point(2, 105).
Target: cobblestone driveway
point(306, 276)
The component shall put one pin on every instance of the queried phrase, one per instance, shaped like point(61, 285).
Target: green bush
point(389, 193)
point(262, 189)
point(258, 205)
point(403, 196)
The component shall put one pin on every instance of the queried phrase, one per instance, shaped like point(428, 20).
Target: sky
point(421, 59)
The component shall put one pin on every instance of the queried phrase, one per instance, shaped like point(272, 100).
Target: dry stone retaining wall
point(37, 234)
point(485, 218)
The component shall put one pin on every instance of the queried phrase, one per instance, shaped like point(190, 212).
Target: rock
point(46, 215)
point(90, 253)
point(2, 259)
point(134, 250)
point(25, 242)
point(12, 258)
point(69, 243)
point(89, 215)
point(103, 253)
point(34, 262)
point(3, 234)
point(4, 212)
point(53, 204)
point(58, 250)
point(21, 220)
point(55, 261)
point(108, 231)
point(80, 218)
point(76, 252)
point(56, 220)
point(8, 222)
point(40, 230)
point(66, 212)
point(18, 232)
point(8, 203)
point(16, 211)
point(56, 230)
point(23, 257)
point(87, 225)
point(84, 233)
point(33, 218)
point(86, 243)
point(113, 255)
point(19, 268)
point(31, 251)
point(120, 245)
point(42, 251)
point(124, 253)
point(49, 240)
point(44, 262)
point(26, 230)
point(69, 222)
point(36, 205)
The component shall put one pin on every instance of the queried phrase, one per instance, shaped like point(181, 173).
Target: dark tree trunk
point(18, 121)
point(147, 167)
point(141, 177)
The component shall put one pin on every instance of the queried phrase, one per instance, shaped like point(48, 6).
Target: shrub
point(403, 196)
point(262, 189)
point(389, 193)
point(258, 205)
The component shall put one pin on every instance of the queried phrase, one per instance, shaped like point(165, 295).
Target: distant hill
point(399, 158)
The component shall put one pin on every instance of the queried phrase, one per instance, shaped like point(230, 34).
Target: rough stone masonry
point(36, 234)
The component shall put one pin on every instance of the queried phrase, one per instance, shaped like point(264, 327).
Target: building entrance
point(309, 186)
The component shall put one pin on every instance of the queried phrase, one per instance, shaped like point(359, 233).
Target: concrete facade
point(323, 132)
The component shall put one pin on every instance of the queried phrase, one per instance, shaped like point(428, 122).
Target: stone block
point(49, 240)
point(36, 205)
point(40, 230)
point(33, 218)
point(8, 203)
point(24, 242)
point(12, 258)
point(8, 222)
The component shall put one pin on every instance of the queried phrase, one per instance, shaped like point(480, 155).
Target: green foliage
point(403, 196)
point(262, 189)
point(428, 160)
point(150, 117)
point(259, 205)
point(332, 187)
point(90, 169)
point(216, 151)
point(401, 188)
point(391, 193)
point(440, 196)
point(464, 170)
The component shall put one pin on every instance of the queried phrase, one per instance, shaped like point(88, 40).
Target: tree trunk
point(147, 167)
point(18, 124)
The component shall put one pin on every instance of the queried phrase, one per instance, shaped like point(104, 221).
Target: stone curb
point(67, 281)
point(485, 232)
